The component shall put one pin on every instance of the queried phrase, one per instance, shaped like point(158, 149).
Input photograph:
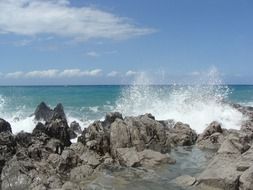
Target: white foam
point(198, 104)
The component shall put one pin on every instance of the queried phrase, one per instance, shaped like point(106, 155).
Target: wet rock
point(91, 158)
point(5, 126)
point(43, 112)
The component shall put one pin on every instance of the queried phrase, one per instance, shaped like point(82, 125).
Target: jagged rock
point(58, 129)
point(245, 161)
point(128, 157)
point(212, 137)
point(110, 118)
point(246, 179)
point(182, 134)
point(119, 136)
point(74, 126)
point(58, 113)
point(5, 126)
point(43, 112)
point(96, 138)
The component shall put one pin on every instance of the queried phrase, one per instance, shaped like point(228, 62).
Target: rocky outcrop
point(43, 112)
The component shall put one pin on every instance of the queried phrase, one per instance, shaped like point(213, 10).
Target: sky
point(51, 42)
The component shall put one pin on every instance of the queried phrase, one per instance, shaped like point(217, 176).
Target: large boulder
point(58, 113)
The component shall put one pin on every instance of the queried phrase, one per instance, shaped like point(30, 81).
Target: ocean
point(197, 105)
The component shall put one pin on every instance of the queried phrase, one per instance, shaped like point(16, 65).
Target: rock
point(72, 134)
point(7, 147)
point(235, 143)
point(70, 186)
point(148, 158)
point(5, 126)
point(76, 127)
point(23, 139)
point(96, 138)
point(212, 137)
point(221, 173)
point(58, 113)
point(246, 179)
point(185, 181)
point(110, 118)
point(128, 157)
point(119, 136)
point(39, 128)
point(78, 174)
point(58, 129)
point(181, 134)
point(68, 160)
point(245, 161)
point(91, 158)
point(43, 112)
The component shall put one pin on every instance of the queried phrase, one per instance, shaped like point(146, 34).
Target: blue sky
point(113, 41)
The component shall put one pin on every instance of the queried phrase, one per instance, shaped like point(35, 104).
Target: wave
point(197, 104)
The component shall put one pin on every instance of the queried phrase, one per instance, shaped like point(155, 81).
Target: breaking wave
point(198, 104)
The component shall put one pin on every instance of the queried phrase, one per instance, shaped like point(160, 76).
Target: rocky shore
point(46, 159)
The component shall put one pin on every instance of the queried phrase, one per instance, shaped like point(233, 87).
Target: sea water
point(197, 105)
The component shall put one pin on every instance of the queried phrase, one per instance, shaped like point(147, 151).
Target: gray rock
point(78, 174)
point(74, 126)
point(43, 112)
point(246, 179)
point(185, 181)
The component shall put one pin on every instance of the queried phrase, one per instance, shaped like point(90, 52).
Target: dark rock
point(24, 139)
point(58, 113)
point(58, 129)
point(39, 128)
point(76, 127)
point(5, 126)
point(111, 117)
point(43, 112)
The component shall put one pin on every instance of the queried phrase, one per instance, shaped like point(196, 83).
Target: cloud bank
point(60, 18)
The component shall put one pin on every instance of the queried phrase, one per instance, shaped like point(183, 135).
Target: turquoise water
point(88, 103)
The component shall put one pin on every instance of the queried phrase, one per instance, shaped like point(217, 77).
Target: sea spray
point(198, 104)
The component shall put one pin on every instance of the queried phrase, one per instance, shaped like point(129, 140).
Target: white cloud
point(93, 54)
point(53, 73)
point(58, 17)
point(130, 73)
point(14, 75)
point(113, 74)
point(42, 74)
point(78, 73)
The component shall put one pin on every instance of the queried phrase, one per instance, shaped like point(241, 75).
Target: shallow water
point(190, 161)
